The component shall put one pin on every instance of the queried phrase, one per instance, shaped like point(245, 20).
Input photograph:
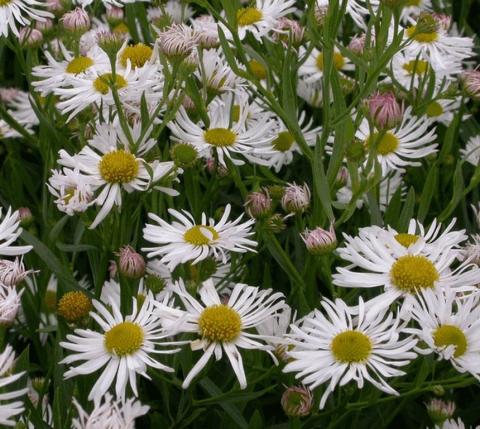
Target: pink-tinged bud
point(439, 410)
point(287, 28)
point(110, 42)
point(114, 14)
point(342, 177)
point(178, 40)
point(25, 216)
point(12, 272)
point(45, 25)
point(206, 29)
point(444, 21)
point(30, 36)
point(384, 110)
point(296, 198)
point(55, 6)
point(297, 401)
point(112, 269)
point(214, 168)
point(258, 204)
point(320, 241)
point(10, 303)
point(471, 83)
point(130, 263)
point(357, 44)
point(76, 21)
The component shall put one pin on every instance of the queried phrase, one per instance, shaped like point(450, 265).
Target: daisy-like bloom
point(404, 264)
point(261, 17)
point(110, 167)
point(357, 9)
point(312, 69)
point(471, 152)
point(124, 347)
point(9, 410)
point(443, 110)
point(184, 240)
point(9, 232)
point(429, 39)
point(224, 137)
point(18, 13)
point(222, 327)
point(401, 146)
point(449, 327)
point(110, 414)
point(284, 145)
point(348, 344)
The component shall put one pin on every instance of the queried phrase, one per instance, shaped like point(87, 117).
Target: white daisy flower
point(312, 69)
point(283, 142)
point(18, 13)
point(221, 327)
point(403, 266)
point(110, 414)
point(400, 146)
point(184, 240)
point(443, 110)
point(123, 348)
point(436, 45)
point(110, 167)
point(9, 232)
point(260, 18)
point(348, 344)
point(449, 326)
point(471, 152)
point(9, 410)
point(224, 136)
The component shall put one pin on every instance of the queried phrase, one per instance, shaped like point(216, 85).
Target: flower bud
point(114, 15)
point(215, 168)
point(130, 263)
point(439, 410)
point(30, 37)
point(297, 401)
point(74, 306)
point(357, 44)
point(25, 216)
point(55, 6)
point(438, 390)
point(184, 155)
point(258, 204)
point(342, 177)
point(320, 14)
point(45, 25)
point(206, 28)
point(110, 43)
point(76, 21)
point(320, 241)
point(12, 272)
point(296, 198)
point(384, 110)
point(287, 28)
point(470, 80)
point(276, 223)
point(154, 283)
point(178, 40)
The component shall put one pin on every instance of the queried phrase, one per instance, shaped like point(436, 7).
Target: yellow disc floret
point(79, 65)
point(248, 16)
point(102, 83)
point(220, 323)
point(450, 335)
point(283, 141)
point(74, 306)
point(351, 347)
point(388, 144)
point(118, 166)
point(220, 137)
point(429, 37)
point(198, 235)
point(411, 273)
point(434, 109)
point(405, 239)
point(124, 339)
point(138, 55)
point(338, 61)
point(418, 67)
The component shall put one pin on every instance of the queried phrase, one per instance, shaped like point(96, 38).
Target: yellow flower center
point(338, 61)
point(450, 335)
point(74, 306)
point(434, 109)
point(4, 2)
point(422, 37)
point(79, 65)
point(124, 339)
point(257, 68)
point(406, 239)
point(418, 67)
point(220, 137)
point(118, 166)
point(102, 83)
point(220, 323)
point(351, 347)
point(200, 235)
point(413, 3)
point(388, 143)
point(283, 141)
point(138, 55)
point(120, 28)
point(248, 16)
point(410, 273)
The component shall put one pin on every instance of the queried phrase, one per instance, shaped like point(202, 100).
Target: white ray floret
point(9, 232)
